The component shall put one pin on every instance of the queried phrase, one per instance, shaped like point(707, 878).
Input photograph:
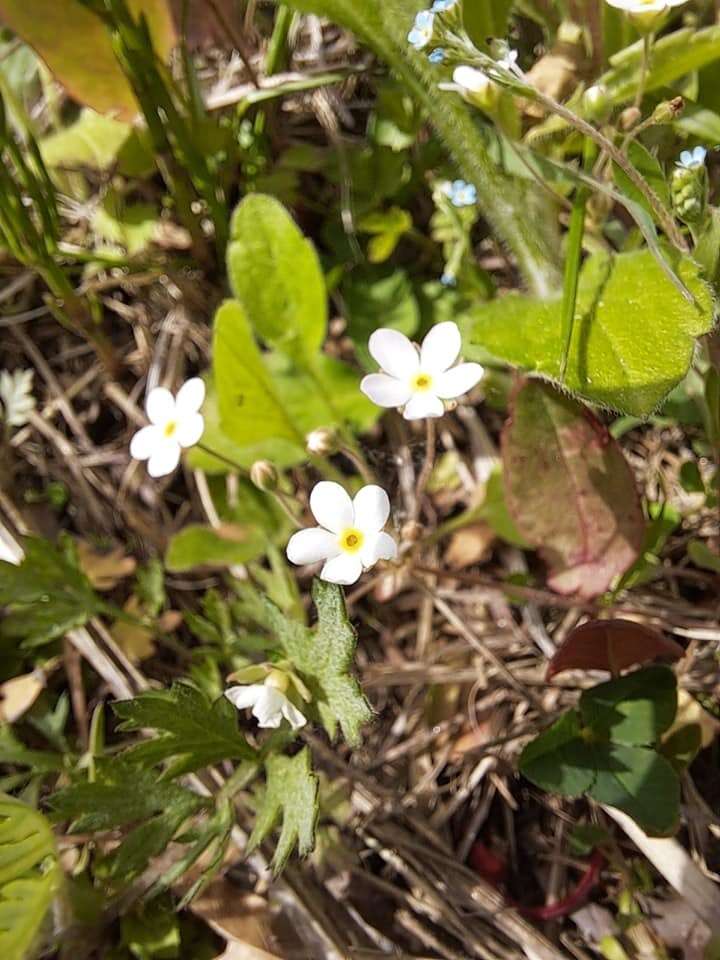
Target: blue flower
point(462, 194)
point(422, 31)
point(437, 56)
point(440, 6)
point(448, 279)
point(692, 159)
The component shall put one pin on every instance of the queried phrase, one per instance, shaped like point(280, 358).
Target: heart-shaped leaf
point(570, 491)
point(634, 709)
point(612, 645)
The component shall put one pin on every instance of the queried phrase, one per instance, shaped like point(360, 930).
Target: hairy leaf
point(191, 729)
point(633, 337)
point(275, 273)
point(555, 452)
point(612, 645)
point(290, 798)
point(29, 876)
point(77, 49)
point(198, 546)
point(46, 594)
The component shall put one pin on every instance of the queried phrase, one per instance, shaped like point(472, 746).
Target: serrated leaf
point(275, 273)
point(324, 656)
point(290, 798)
point(638, 781)
point(192, 730)
point(556, 452)
point(558, 760)
point(46, 595)
point(224, 546)
point(29, 876)
point(635, 709)
point(612, 645)
point(633, 337)
point(77, 48)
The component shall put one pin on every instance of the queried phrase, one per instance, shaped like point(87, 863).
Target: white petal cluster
point(269, 704)
point(175, 423)
point(419, 380)
point(349, 536)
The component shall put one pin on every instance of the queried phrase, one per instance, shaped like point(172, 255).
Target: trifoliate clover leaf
point(291, 796)
point(193, 731)
point(323, 656)
point(46, 595)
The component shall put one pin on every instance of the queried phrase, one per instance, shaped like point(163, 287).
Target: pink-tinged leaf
point(76, 47)
point(612, 645)
point(570, 490)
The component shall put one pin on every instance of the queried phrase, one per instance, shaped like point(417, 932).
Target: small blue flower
point(437, 56)
point(422, 31)
point(440, 6)
point(462, 194)
point(692, 159)
point(448, 279)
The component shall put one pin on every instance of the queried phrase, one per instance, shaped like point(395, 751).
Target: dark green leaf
point(634, 709)
point(558, 760)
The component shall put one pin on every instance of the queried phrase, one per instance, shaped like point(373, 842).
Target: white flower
point(268, 701)
point(692, 159)
point(175, 422)
point(16, 396)
point(642, 7)
point(422, 31)
point(509, 59)
point(350, 535)
point(460, 193)
point(419, 380)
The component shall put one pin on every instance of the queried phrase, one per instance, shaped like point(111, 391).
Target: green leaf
point(29, 876)
point(517, 211)
point(484, 20)
point(275, 273)
point(46, 595)
point(132, 226)
point(93, 142)
point(635, 709)
point(290, 797)
point(378, 298)
point(558, 759)
point(703, 557)
point(12, 751)
point(638, 781)
point(224, 546)
point(251, 410)
point(324, 657)
point(556, 452)
point(649, 168)
point(190, 729)
point(633, 338)
point(77, 49)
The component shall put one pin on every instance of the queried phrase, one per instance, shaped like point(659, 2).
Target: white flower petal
point(471, 79)
point(293, 715)
point(309, 546)
point(345, 569)
point(454, 383)
point(190, 397)
point(384, 390)
point(372, 508)
point(268, 708)
point(190, 429)
point(378, 546)
point(164, 458)
point(160, 406)
point(441, 347)
point(423, 405)
point(145, 442)
point(394, 353)
point(331, 506)
point(245, 696)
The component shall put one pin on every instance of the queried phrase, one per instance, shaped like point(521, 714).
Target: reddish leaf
point(570, 491)
point(612, 645)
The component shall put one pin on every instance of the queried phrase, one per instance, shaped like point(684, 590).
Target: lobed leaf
point(556, 452)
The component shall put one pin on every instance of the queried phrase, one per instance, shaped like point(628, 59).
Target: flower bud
point(322, 442)
point(264, 476)
point(668, 110)
point(689, 190)
point(629, 118)
point(596, 101)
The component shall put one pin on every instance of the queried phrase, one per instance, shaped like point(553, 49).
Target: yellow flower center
point(421, 382)
point(170, 428)
point(351, 540)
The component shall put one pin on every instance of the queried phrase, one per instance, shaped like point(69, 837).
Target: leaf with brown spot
point(75, 45)
point(612, 645)
point(570, 490)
